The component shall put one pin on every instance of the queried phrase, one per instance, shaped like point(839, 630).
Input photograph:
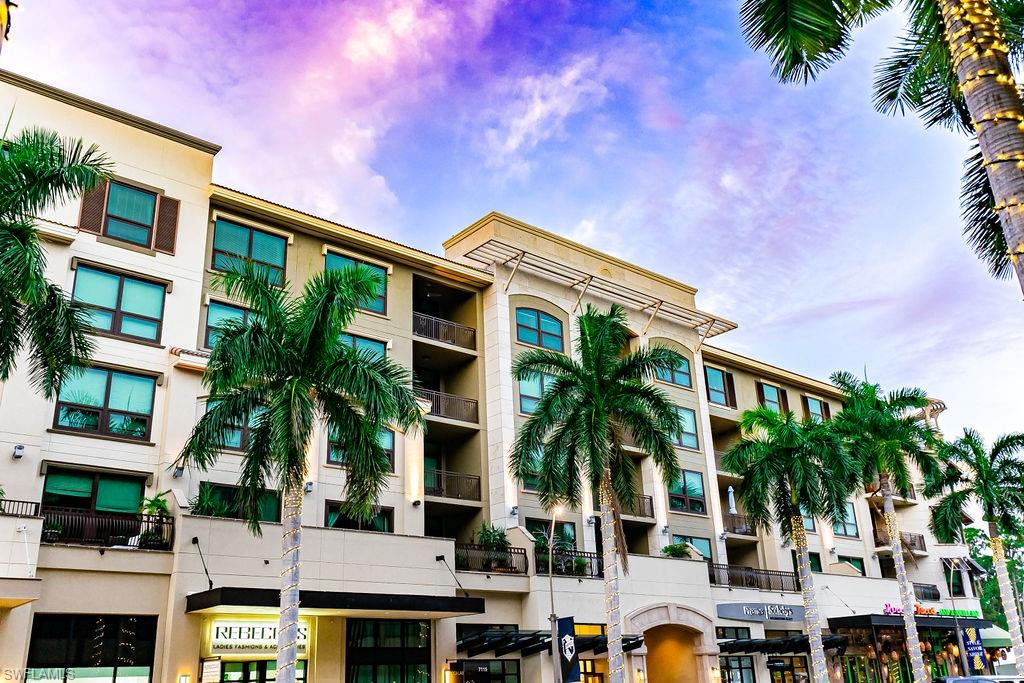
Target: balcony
point(642, 507)
point(915, 543)
point(927, 592)
point(723, 473)
point(450, 406)
point(738, 524)
point(470, 557)
point(108, 530)
point(444, 484)
point(444, 331)
point(569, 563)
point(748, 577)
point(18, 508)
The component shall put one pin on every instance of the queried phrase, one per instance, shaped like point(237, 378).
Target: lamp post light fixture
point(556, 662)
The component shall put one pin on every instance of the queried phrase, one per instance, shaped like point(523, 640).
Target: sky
point(830, 233)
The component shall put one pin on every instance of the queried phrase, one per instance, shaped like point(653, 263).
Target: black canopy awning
point(230, 599)
point(963, 564)
point(779, 646)
point(506, 641)
point(871, 620)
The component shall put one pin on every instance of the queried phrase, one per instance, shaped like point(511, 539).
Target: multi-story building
point(96, 583)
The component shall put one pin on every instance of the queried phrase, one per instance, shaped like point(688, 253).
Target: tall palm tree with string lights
point(574, 437)
point(889, 435)
point(791, 468)
point(285, 372)
point(953, 65)
point(994, 480)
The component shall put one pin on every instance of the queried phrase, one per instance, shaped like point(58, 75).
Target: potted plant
point(156, 506)
point(678, 550)
point(494, 541)
point(152, 539)
point(579, 566)
point(52, 531)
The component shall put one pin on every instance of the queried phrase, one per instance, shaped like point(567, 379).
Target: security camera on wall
point(19, 451)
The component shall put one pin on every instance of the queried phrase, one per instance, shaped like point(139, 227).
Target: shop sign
point(760, 611)
point(974, 648)
point(249, 637)
point(920, 610)
point(775, 664)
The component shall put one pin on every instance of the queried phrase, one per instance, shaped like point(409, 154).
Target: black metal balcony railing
point(476, 558)
point(738, 524)
point(18, 508)
point(569, 563)
point(643, 507)
point(450, 405)
point(442, 330)
point(927, 591)
point(911, 541)
point(451, 485)
point(83, 527)
point(748, 577)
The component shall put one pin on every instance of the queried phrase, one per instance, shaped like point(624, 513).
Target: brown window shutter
point(166, 232)
point(94, 209)
point(806, 406)
point(826, 410)
point(730, 390)
point(760, 393)
point(784, 397)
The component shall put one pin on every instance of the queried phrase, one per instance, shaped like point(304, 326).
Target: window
point(111, 402)
point(679, 375)
point(856, 562)
point(387, 650)
point(234, 243)
point(731, 632)
point(92, 491)
point(536, 328)
point(808, 520)
point(122, 305)
point(531, 390)
point(738, 669)
point(377, 348)
point(336, 451)
point(688, 494)
point(687, 437)
point(383, 520)
point(772, 397)
point(565, 532)
point(816, 409)
point(237, 438)
point(532, 481)
point(377, 304)
point(887, 567)
point(130, 214)
point(701, 544)
point(221, 500)
point(954, 581)
point(847, 526)
point(217, 315)
point(721, 389)
point(97, 648)
point(815, 562)
point(258, 671)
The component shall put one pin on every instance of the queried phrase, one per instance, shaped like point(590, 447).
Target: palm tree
point(38, 172)
point(283, 372)
point(886, 435)
point(953, 66)
point(994, 479)
point(791, 468)
point(575, 435)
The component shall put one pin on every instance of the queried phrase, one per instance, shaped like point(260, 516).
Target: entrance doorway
point(788, 669)
point(671, 654)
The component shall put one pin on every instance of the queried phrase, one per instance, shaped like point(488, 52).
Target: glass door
point(259, 671)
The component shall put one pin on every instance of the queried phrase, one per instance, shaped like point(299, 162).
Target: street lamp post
point(556, 662)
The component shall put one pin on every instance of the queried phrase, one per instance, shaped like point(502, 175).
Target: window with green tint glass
point(808, 519)
point(771, 397)
point(122, 305)
point(687, 436)
point(234, 243)
point(336, 449)
point(720, 387)
point(378, 348)
point(701, 544)
point(687, 495)
point(224, 499)
point(237, 437)
point(855, 562)
point(847, 526)
point(537, 328)
point(383, 520)
point(217, 315)
point(92, 491)
point(679, 375)
point(815, 409)
point(377, 304)
point(565, 532)
point(109, 402)
point(815, 560)
point(130, 214)
point(531, 390)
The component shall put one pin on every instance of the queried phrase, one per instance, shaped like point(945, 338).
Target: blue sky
point(829, 232)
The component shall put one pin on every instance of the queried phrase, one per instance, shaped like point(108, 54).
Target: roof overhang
point(780, 646)
point(18, 591)
point(873, 620)
point(529, 642)
point(238, 600)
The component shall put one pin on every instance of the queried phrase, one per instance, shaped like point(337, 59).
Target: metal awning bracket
point(654, 314)
point(518, 258)
point(586, 284)
point(704, 335)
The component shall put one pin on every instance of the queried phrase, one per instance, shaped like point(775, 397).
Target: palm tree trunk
point(616, 668)
point(812, 620)
point(907, 598)
point(1006, 596)
point(978, 47)
point(288, 623)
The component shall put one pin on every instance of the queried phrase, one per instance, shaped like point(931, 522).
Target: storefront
point(92, 648)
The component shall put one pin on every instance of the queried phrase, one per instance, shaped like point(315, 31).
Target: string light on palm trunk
point(291, 547)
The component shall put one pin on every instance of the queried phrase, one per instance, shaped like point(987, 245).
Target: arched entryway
point(679, 643)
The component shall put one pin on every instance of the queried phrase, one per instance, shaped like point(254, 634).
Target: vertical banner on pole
point(975, 650)
point(568, 657)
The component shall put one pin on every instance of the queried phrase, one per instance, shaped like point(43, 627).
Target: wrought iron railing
point(108, 529)
point(446, 484)
point(18, 508)
point(748, 577)
point(911, 541)
point(642, 507)
point(569, 562)
point(927, 591)
point(450, 405)
point(738, 524)
point(442, 330)
point(476, 558)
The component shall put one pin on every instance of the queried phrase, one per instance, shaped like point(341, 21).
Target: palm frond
point(982, 228)
point(801, 37)
point(59, 347)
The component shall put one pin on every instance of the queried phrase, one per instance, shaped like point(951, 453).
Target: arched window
point(537, 328)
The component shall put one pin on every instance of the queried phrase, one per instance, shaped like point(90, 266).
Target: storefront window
point(94, 648)
point(388, 650)
point(788, 669)
point(262, 671)
point(737, 669)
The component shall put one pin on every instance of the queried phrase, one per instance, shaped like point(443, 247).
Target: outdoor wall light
point(664, 529)
point(514, 512)
point(832, 550)
point(308, 487)
point(19, 451)
point(184, 678)
point(179, 472)
point(417, 503)
point(724, 535)
point(591, 520)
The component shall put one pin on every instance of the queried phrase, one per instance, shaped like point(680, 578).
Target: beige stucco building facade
point(89, 584)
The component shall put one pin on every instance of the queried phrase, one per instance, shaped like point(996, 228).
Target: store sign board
point(209, 670)
point(922, 611)
point(250, 637)
point(760, 611)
